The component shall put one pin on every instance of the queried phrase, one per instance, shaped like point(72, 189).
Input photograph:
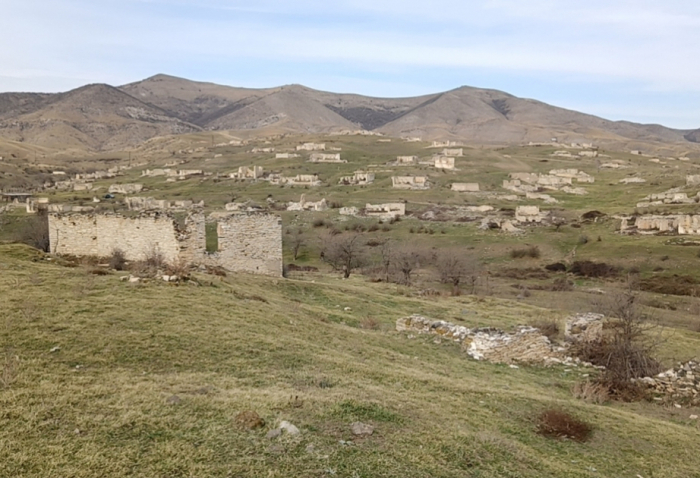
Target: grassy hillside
point(103, 402)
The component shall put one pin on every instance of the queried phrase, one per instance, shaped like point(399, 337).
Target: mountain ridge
point(100, 117)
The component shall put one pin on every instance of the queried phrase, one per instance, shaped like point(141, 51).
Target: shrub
point(594, 269)
point(591, 391)
point(319, 222)
point(369, 323)
point(561, 284)
point(556, 267)
point(548, 327)
point(553, 423)
point(35, 231)
point(531, 251)
point(117, 260)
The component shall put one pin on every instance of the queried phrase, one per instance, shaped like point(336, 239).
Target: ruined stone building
point(247, 242)
point(443, 162)
point(443, 144)
point(466, 187)
point(406, 160)
point(298, 180)
point(245, 172)
point(326, 158)
point(263, 150)
point(385, 211)
point(359, 178)
point(453, 152)
point(410, 182)
point(528, 214)
point(286, 155)
point(683, 224)
point(312, 147)
point(125, 188)
point(304, 205)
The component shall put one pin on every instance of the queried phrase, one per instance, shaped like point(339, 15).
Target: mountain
point(101, 117)
point(93, 117)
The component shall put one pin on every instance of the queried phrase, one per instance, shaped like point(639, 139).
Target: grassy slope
point(98, 407)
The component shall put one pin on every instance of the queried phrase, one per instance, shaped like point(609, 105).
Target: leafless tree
point(297, 242)
point(35, 231)
point(456, 267)
point(344, 252)
point(405, 260)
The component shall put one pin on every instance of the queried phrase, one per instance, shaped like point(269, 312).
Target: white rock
point(289, 428)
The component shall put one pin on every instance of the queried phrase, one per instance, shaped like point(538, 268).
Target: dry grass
point(102, 404)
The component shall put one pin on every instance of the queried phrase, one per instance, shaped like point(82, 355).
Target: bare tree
point(296, 243)
point(35, 231)
point(455, 267)
point(386, 257)
point(344, 252)
point(405, 260)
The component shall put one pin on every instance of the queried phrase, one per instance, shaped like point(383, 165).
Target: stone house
point(360, 178)
point(410, 182)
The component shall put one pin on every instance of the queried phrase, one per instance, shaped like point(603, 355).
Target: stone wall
point(250, 242)
point(138, 237)
point(466, 187)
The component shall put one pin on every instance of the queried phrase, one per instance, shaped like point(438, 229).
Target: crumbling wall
point(138, 237)
point(250, 242)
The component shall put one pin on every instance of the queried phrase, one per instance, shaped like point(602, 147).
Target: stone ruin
point(326, 158)
point(286, 155)
point(465, 187)
point(139, 203)
point(262, 150)
point(298, 180)
point(125, 188)
point(683, 224)
point(405, 161)
point(359, 178)
point(556, 180)
point(245, 172)
point(247, 242)
point(672, 196)
point(453, 152)
point(443, 144)
point(444, 162)
point(692, 180)
point(632, 180)
point(681, 383)
point(410, 182)
point(304, 205)
point(527, 214)
point(525, 345)
point(385, 211)
point(312, 147)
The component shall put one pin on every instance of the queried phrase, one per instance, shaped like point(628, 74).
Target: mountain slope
point(97, 117)
point(100, 117)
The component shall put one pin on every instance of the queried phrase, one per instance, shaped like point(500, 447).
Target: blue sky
point(620, 59)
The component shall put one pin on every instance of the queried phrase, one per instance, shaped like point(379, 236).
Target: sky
point(630, 60)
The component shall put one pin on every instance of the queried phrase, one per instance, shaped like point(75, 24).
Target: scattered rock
point(275, 449)
point(55, 349)
point(133, 279)
point(274, 433)
point(173, 400)
point(249, 420)
point(693, 417)
point(361, 429)
point(289, 428)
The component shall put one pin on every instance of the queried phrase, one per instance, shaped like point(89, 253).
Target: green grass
point(99, 405)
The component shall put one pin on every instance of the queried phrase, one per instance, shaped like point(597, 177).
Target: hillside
point(99, 117)
point(93, 117)
point(119, 379)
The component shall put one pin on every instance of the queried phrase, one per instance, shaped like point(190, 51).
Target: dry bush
point(547, 327)
point(522, 274)
point(154, 258)
point(369, 323)
point(117, 260)
point(591, 391)
point(344, 252)
point(456, 268)
point(594, 269)
point(181, 269)
point(531, 251)
point(672, 285)
point(35, 231)
point(561, 284)
point(554, 423)
point(96, 271)
point(628, 347)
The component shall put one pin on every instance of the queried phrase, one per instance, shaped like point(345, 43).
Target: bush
point(594, 269)
point(319, 222)
point(35, 231)
point(117, 260)
point(531, 251)
point(553, 423)
point(591, 391)
point(548, 327)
